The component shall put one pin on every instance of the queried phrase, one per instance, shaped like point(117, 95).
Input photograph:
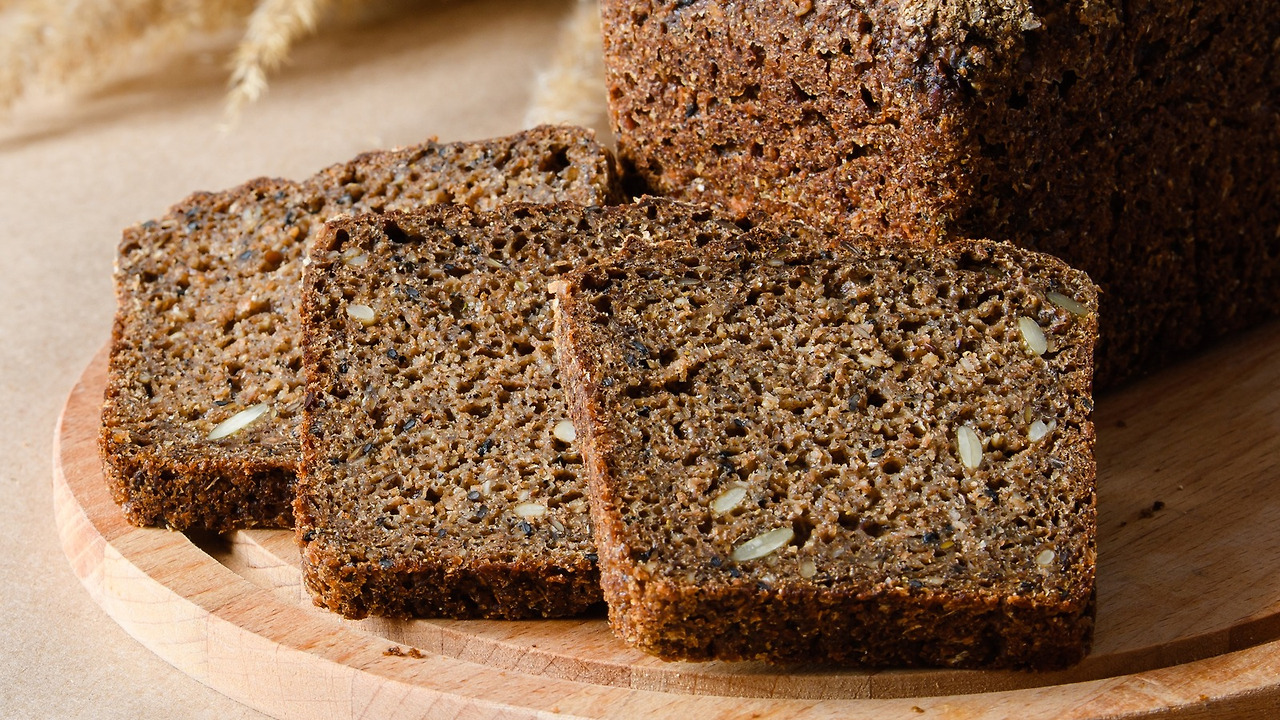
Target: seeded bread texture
point(1136, 141)
point(206, 329)
point(440, 470)
point(807, 450)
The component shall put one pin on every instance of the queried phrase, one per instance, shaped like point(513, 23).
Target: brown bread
point(1136, 141)
point(206, 325)
point(807, 449)
point(440, 473)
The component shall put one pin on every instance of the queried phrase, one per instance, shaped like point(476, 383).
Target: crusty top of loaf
point(994, 18)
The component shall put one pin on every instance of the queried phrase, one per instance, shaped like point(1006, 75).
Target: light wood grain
point(1188, 597)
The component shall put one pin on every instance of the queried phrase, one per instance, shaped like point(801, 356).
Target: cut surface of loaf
point(806, 449)
point(205, 389)
point(1137, 140)
point(440, 473)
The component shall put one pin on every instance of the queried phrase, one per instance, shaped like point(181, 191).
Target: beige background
point(75, 170)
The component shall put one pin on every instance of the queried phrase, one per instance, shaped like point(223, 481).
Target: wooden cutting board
point(1188, 597)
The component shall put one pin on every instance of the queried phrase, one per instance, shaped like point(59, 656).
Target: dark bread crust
point(672, 584)
point(1136, 141)
point(206, 318)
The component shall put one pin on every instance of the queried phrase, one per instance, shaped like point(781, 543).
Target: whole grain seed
point(1032, 335)
point(969, 447)
point(762, 544)
point(238, 422)
point(362, 313)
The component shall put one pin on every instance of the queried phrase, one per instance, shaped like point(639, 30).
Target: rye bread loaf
point(805, 449)
point(1136, 141)
point(440, 476)
point(206, 337)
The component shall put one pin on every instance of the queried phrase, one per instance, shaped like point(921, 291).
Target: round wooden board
point(1188, 597)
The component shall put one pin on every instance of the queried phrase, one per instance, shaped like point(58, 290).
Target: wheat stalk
point(61, 43)
point(273, 28)
point(572, 89)
point(53, 43)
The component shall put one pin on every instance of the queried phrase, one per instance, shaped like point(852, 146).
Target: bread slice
point(440, 472)
point(804, 448)
point(199, 423)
